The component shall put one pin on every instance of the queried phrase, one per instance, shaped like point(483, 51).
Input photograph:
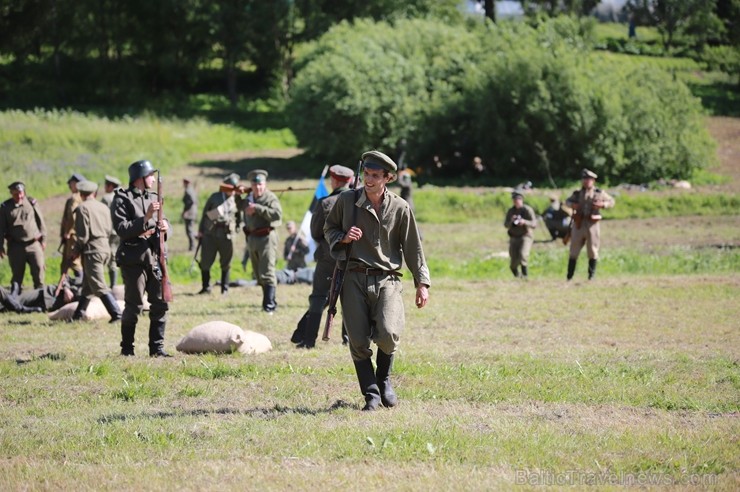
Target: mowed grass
point(498, 380)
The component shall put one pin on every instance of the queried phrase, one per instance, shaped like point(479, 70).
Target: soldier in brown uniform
point(67, 229)
point(134, 220)
point(586, 204)
point(308, 327)
point(22, 225)
point(380, 231)
point(93, 227)
point(217, 232)
point(262, 215)
point(520, 222)
point(111, 183)
point(295, 248)
point(189, 211)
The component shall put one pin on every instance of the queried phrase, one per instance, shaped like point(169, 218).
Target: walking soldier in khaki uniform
point(308, 327)
point(111, 183)
point(217, 229)
point(381, 229)
point(586, 204)
point(262, 215)
point(189, 211)
point(134, 210)
point(520, 222)
point(67, 229)
point(93, 227)
point(22, 225)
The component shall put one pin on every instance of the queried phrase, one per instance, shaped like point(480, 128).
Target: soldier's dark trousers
point(368, 384)
point(300, 329)
point(137, 280)
point(592, 268)
point(384, 364)
point(571, 267)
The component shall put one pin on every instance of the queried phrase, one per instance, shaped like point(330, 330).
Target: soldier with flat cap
point(379, 230)
point(67, 229)
point(217, 232)
point(22, 225)
point(520, 221)
point(189, 211)
point(308, 327)
point(135, 216)
point(93, 227)
point(586, 204)
point(262, 215)
point(111, 183)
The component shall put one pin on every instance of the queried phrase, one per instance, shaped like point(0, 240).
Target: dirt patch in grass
point(726, 131)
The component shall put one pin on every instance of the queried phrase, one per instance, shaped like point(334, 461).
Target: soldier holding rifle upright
point(383, 233)
point(586, 204)
point(135, 217)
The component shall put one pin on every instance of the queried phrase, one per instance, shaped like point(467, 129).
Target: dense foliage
point(531, 102)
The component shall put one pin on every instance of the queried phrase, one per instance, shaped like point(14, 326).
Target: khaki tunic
point(372, 305)
point(68, 229)
point(588, 232)
point(93, 227)
point(521, 236)
point(219, 222)
point(263, 249)
point(114, 241)
point(22, 225)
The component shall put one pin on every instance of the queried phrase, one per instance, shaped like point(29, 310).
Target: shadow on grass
point(263, 413)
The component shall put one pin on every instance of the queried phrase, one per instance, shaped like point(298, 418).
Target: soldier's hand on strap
point(353, 234)
point(422, 296)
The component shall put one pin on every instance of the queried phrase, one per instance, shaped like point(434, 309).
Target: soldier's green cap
point(232, 179)
point(87, 187)
point(112, 180)
point(76, 177)
point(257, 176)
point(588, 174)
point(17, 185)
point(341, 173)
point(375, 159)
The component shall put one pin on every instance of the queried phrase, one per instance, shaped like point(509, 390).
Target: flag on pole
point(305, 229)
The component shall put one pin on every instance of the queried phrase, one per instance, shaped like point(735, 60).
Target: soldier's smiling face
point(375, 179)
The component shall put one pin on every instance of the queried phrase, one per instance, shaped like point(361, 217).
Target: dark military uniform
point(520, 222)
point(137, 259)
point(114, 241)
point(557, 219)
point(585, 229)
point(22, 225)
point(262, 239)
point(218, 225)
point(93, 227)
point(190, 213)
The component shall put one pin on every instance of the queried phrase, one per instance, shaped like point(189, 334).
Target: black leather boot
point(592, 268)
point(205, 282)
point(368, 384)
point(524, 271)
point(313, 324)
point(514, 271)
point(571, 267)
point(300, 329)
point(268, 298)
point(111, 305)
point(382, 375)
point(225, 282)
point(127, 338)
point(82, 305)
point(156, 338)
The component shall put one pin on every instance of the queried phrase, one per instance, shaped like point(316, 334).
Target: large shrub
point(531, 102)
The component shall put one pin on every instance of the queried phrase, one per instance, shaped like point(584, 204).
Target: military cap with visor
point(77, 177)
point(341, 173)
point(17, 186)
point(588, 174)
point(140, 169)
point(257, 176)
point(112, 180)
point(232, 179)
point(374, 159)
point(517, 194)
point(87, 187)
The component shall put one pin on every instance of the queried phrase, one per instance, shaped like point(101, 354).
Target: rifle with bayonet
point(162, 255)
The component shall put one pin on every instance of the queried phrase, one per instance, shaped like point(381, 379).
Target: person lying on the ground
point(300, 276)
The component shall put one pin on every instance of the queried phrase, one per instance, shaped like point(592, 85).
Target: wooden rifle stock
point(162, 258)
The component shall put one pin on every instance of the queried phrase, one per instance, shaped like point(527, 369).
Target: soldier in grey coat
point(377, 230)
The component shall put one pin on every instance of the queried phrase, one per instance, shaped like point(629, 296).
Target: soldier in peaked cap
point(135, 212)
point(67, 228)
point(307, 331)
point(110, 184)
point(262, 215)
point(585, 231)
point(520, 221)
point(382, 232)
point(22, 225)
point(93, 228)
point(217, 232)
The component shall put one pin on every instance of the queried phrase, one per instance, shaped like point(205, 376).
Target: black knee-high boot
point(571, 267)
point(368, 384)
point(382, 374)
point(592, 267)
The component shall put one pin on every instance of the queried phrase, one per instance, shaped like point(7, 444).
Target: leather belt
point(259, 232)
point(376, 272)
